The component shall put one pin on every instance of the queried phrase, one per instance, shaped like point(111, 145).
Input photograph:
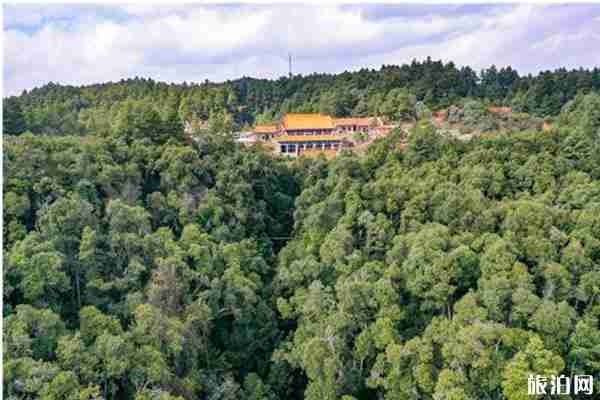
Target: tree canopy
point(140, 264)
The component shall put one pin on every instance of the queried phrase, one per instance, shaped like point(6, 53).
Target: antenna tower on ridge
point(290, 60)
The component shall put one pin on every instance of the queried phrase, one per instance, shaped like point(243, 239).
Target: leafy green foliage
point(141, 265)
point(451, 270)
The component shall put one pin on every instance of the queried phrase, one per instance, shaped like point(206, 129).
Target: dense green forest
point(139, 264)
point(67, 110)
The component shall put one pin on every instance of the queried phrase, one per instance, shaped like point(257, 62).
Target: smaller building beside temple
point(266, 132)
point(352, 125)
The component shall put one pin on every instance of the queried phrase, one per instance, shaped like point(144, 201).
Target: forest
point(140, 264)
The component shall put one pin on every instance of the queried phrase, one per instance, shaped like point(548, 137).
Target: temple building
point(308, 133)
point(266, 132)
point(352, 125)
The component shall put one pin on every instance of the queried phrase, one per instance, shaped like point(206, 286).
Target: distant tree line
point(68, 110)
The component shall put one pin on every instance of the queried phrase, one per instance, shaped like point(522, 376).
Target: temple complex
point(311, 133)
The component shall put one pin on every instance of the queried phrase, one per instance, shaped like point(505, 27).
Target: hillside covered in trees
point(139, 264)
point(67, 110)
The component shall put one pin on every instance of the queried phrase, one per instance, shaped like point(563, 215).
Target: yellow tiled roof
point(308, 138)
point(266, 129)
point(297, 121)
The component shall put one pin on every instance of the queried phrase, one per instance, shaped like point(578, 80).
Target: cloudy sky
point(83, 44)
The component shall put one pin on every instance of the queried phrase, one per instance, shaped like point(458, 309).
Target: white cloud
point(530, 38)
point(194, 43)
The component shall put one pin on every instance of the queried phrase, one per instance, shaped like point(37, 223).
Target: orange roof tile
point(308, 138)
point(266, 129)
point(297, 121)
point(366, 121)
